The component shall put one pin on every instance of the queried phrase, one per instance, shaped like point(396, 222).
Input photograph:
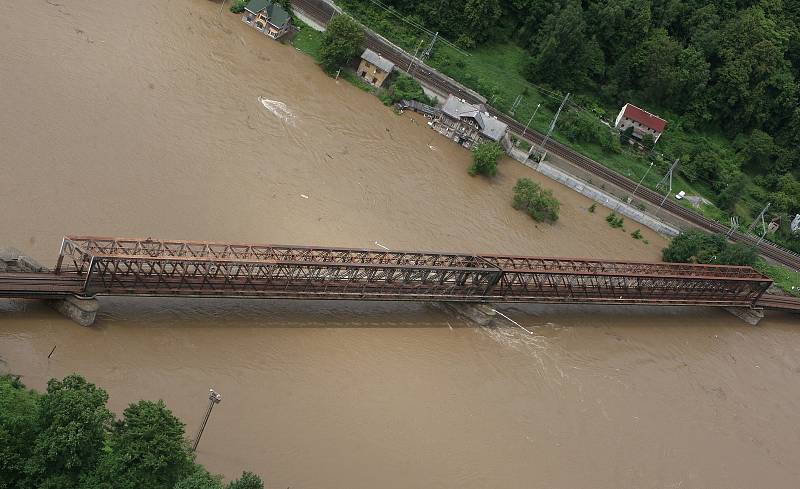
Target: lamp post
point(213, 398)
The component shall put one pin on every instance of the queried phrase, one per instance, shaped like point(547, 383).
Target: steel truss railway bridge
point(90, 266)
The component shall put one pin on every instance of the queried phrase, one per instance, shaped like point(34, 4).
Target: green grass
point(307, 40)
point(784, 278)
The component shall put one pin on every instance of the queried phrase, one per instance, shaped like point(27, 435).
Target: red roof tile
point(644, 118)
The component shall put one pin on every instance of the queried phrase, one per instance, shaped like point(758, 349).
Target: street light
point(530, 120)
point(213, 398)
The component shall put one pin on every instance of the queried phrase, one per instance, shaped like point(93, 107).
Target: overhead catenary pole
point(516, 103)
point(667, 179)
point(531, 119)
point(411, 63)
point(213, 398)
point(427, 52)
point(552, 126)
point(640, 182)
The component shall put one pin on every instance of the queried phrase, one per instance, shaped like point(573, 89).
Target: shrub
point(592, 208)
point(237, 7)
point(636, 234)
point(535, 201)
point(484, 159)
point(615, 220)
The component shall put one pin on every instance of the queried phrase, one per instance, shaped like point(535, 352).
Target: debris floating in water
point(278, 109)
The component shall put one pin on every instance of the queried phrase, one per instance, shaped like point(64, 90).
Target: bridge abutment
point(80, 309)
point(750, 315)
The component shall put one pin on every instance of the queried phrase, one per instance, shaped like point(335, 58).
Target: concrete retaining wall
point(606, 200)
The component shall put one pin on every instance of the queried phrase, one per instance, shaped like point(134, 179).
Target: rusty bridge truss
point(117, 266)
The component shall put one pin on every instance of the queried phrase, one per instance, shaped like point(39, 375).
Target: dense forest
point(726, 70)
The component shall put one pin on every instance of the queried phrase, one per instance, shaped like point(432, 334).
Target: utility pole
point(531, 119)
point(640, 182)
point(663, 182)
point(213, 398)
point(411, 63)
point(550, 130)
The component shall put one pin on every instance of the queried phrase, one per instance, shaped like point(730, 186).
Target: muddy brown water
point(167, 119)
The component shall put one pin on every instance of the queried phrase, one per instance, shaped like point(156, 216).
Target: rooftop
point(644, 118)
point(378, 60)
point(490, 126)
point(277, 14)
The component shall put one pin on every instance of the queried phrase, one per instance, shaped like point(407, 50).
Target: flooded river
point(169, 119)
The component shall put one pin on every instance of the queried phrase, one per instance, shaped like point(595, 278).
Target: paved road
point(322, 12)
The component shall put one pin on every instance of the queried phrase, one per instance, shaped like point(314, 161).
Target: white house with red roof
point(643, 122)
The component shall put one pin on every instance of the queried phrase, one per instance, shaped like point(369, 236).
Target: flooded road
point(167, 119)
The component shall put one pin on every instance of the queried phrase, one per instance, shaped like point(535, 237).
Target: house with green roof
point(267, 17)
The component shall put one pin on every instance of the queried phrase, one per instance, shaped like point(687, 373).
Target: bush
point(698, 247)
point(535, 201)
point(406, 88)
point(592, 208)
point(237, 7)
point(484, 159)
point(636, 234)
point(615, 220)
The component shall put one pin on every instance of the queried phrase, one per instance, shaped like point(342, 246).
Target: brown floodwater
point(169, 119)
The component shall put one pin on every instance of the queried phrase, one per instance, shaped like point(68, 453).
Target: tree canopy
point(342, 42)
point(66, 438)
point(484, 159)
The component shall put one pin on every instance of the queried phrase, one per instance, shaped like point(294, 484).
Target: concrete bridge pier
point(750, 315)
point(476, 312)
point(82, 310)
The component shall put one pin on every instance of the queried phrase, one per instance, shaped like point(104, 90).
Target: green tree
point(19, 412)
point(538, 203)
point(695, 246)
point(237, 6)
point(199, 479)
point(148, 448)
point(566, 55)
point(73, 421)
point(485, 156)
point(342, 42)
point(732, 193)
point(248, 480)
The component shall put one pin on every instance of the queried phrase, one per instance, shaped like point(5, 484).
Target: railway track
point(322, 13)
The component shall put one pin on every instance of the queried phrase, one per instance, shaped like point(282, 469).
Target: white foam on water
point(278, 109)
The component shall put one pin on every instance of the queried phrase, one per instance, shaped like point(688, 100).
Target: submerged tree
point(484, 159)
point(537, 202)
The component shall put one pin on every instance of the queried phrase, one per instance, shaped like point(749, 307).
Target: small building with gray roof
point(374, 68)
point(468, 124)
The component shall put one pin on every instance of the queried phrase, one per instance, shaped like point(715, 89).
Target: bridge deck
point(90, 266)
